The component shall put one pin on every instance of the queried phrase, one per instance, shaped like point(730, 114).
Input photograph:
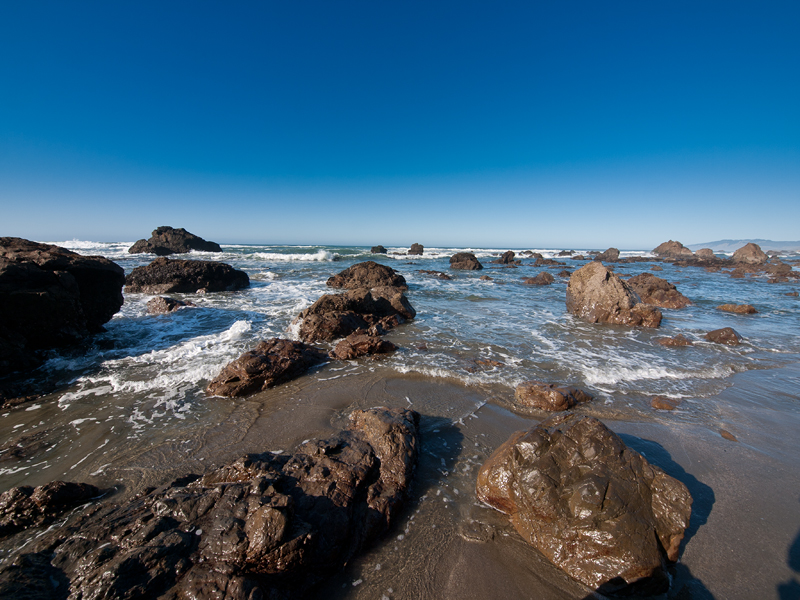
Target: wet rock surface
point(164, 276)
point(750, 254)
point(436, 274)
point(741, 309)
point(465, 261)
point(543, 278)
point(548, 396)
point(657, 291)
point(378, 249)
point(726, 335)
point(168, 240)
point(597, 295)
point(25, 506)
point(361, 343)
point(264, 526)
point(270, 363)
point(676, 341)
point(367, 274)
point(162, 305)
point(610, 255)
point(672, 249)
point(592, 506)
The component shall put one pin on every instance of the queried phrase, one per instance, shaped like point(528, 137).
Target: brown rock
point(654, 290)
point(672, 249)
point(599, 296)
point(485, 278)
point(705, 254)
point(750, 254)
point(610, 255)
point(367, 274)
point(167, 240)
point(162, 305)
point(416, 249)
point(507, 258)
point(742, 309)
point(664, 403)
point(164, 276)
point(579, 257)
point(361, 343)
point(726, 335)
point(23, 507)
point(656, 268)
point(465, 261)
point(794, 294)
point(728, 435)
point(543, 278)
point(564, 273)
point(548, 396)
point(437, 274)
point(677, 341)
point(592, 506)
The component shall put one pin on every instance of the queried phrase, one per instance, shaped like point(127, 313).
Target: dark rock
point(579, 257)
point(750, 254)
point(656, 268)
point(654, 290)
point(507, 258)
point(664, 403)
point(25, 506)
point(564, 273)
point(162, 305)
point(270, 363)
point(416, 249)
point(566, 253)
point(164, 276)
point(485, 278)
point(726, 335)
point(361, 343)
point(437, 274)
point(741, 309)
point(548, 396)
point(378, 250)
point(543, 278)
point(794, 294)
point(367, 274)
point(592, 506)
point(672, 249)
point(51, 297)
point(705, 254)
point(167, 240)
point(465, 261)
point(677, 341)
point(599, 296)
point(610, 255)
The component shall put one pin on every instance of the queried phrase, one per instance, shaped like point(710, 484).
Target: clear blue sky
point(516, 124)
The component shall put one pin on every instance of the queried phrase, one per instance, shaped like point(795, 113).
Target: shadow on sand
point(791, 589)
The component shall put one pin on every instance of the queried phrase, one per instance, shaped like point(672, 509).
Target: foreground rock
point(548, 396)
point(726, 335)
point(465, 261)
point(270, 363)
point(672, 249)
point(741, 309)
point(367, 274)
point(750, 254)
point(592, 506)
point(51, 297)
point(654, 290)
point(162, 305)
point(597, 295)
point(264, 526)
point(25, 506)
point(165, 276)
point(360, 344)
point(167, 240)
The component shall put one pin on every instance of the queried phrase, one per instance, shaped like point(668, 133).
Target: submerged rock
point(672, 249)
point(436, 274)
point(161, 305)
point(164, 276)
point(657, 291)
point(167, 240)
point(726, 335)
point(23, 507)
point(465, 261)
point(664, 403)
point(367, 274)
point(741, 309)
point(597, 295)
point(548, 396)
point(750, 254)
point(543, 278)
point(592, 506)
point(677, 341)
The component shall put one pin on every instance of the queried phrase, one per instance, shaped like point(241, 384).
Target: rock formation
point(378, 250)
point(367, 274)
point(741, 309)
point(750, 254)
point(726, 335)
point(507, 258)
point(705, 254)
point(675, 342)
point(167, 240)
point(161, 305)
point(657, 291)
point(548, 396)
point(23, 507)
point(465, 261)
point(610, 255)
point(165, 276)
point(361, 343)
point(543, 278)
point(672, 249)
point(416, 249)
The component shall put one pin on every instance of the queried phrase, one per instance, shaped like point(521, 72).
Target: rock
point(610, 255)
point(361, 343)
point(270, 363)
point(161, 305)
point(166, 240)
point(566, 253)
point(265, 526)
point(378, 250)
point(677, 341)
point(543, 278)
point(416, 249)
point(579, 257)
point(664, 403)
point(437, 274)
point(25, 506)
point(780, 269)
point(592, 506)
point(672, 249)
point(705, 254)
point(728, 435)
point(793, 294)
point(367, 274)
point(726, 335)
point(564, 273)
point(654, 290)
point(599, 296)
point(465, 261)
point(541, 262)
point(507, 258)
point(656, 268)
point(51, 297)
point(742, 309)
point(485, 278)
point(548, 396)
point(737, 274)
point(164, 276)
point(750, 254)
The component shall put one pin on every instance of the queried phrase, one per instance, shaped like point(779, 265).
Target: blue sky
point(515, 124)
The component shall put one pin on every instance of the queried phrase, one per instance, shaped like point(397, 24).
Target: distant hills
point(733, 245)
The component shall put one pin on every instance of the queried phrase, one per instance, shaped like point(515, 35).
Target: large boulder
point(265, 526)
point(507, 258)
point(610, 255)
point(270, 363)
point(654, 290)
point(361, 343)
point(705, 254)
point(367, 274)
point(167, 240)
point(672, 249)
point(378, 249)
point(726, 335)
point(548, 396)
point(465, 261)
point(164, 276)
point(597, 295)
point(51, 297)
point(750, 254)
point(594, 507)
point(416, 249)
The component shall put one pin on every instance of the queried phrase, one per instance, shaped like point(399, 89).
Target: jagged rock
point(564, 273)
point(705, 254)
point(654, 290)
point(599, 296)
point(672, 249)
point(416, 249)
point(750, 254)
point(164, 276)
point(726, 335)
point(25, 506)
point(361, 343)
point(610, 255)
point(51, 297)
point(543, 278)
point(265, 526)
point(507, 258)
point(161, 305)
point(367, 274)
point(592, 506)
point(548, 396)
point(677, 341)
point(437, 274)
point(270, 363)
point(566, 253)
point(465, 261)
point(741, 309)
point(167, 240)
point(378, 250)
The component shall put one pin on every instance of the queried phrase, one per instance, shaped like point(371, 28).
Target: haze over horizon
point(459, 124)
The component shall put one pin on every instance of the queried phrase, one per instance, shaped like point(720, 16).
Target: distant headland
point(733, 245)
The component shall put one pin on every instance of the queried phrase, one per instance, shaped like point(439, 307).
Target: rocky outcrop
point(465, 261)
point(367, 274)
point(678, 341)
point(741, 309)
point(167, 240)
point(592, 506)
point(672, 249)
point(705, 254)
point(378, 250)
point(23, 507)
point(548, 396)
point(270, 363)
point(361, 343)
point(597, 295)
point(162, 305)
point(507, 258)
point(416, 249)
point(654, 290)
point(264, 526)
point(726, 335)
point(610, 255)
point(51, 297)
point(165, 276)
point(750, 254)
point(543, 278)
point(436, 274)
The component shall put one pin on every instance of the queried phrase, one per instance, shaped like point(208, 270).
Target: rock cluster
point(465, 261)
point(657, 291)
point(165, 276)
point(167, 240)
